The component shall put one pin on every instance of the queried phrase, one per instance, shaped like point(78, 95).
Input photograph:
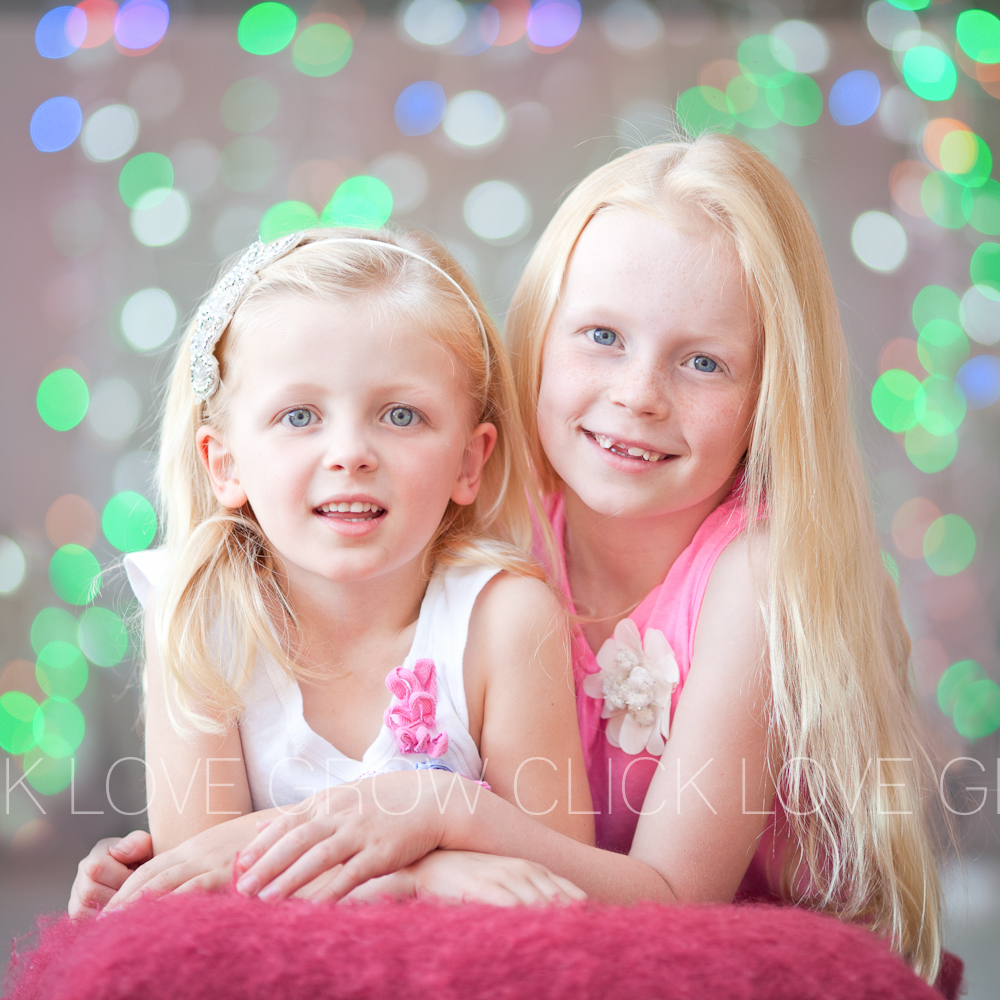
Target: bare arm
point(695, 839)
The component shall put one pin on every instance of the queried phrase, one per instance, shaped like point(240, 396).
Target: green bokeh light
point(949, 545)
point(930, 452)
point(62, 399)
point(890, 566)
point(935, 302)
point(941, 199)
point(798, 101)
point(322, 49)
point(148, 178)
point(977, 709)
point(939, 405)
point(984, 269)
point(749, 104)
point(892, 399)
point(759, 57)
point(61, 670)
point(75, 574)
point(942, 347)
point(981, 207)
point(46, 774)
point(978, 172)
point(978, 32)
point(17, 712)
point(703, 109)
point(266, 28)
point(360, 201)
point(129, 522)
point(52, 625)
point(249, 105)
point(285, 218)
point(929, 73)
point(910, 4)
point(58, 727)
point(247, 163)
point(954, 680)
point(103, 637)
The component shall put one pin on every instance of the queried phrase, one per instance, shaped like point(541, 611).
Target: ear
point(221, 467)
point(477, 451)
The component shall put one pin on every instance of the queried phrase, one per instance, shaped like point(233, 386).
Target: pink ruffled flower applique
point(636, 680)
point(411, 715)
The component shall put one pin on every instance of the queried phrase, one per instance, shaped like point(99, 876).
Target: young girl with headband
point(740, 658)
point(741, 661)
point(346, 588)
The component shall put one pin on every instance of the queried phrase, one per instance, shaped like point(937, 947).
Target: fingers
point(285, 851)
point(321, 857)
point(133, 849)
point(152, 880)
point(574, 892)
point(269, 833)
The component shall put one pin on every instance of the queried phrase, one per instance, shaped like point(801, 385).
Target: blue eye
point(602, 336)
point(299, 418)
point(401, 416)
point(703, 364)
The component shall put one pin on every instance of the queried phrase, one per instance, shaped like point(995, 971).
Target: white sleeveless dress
point(425, 726)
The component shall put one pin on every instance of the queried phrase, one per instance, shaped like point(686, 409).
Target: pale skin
point(655, 344)
point(329, 405)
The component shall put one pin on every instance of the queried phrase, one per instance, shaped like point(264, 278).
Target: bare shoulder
point(730, 635)
point(518, 605)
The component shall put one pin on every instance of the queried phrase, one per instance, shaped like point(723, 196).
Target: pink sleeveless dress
point(619, 780)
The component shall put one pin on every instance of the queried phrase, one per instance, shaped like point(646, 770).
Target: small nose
point(642, 387)
point(349, 449)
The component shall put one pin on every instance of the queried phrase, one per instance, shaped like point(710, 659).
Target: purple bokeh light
point(554, 22)
point(140, 24)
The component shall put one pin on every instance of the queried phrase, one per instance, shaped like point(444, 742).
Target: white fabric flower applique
point(636, 681)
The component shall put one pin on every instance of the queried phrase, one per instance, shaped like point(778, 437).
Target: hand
point(465, 876)
point(370, 829)
point(103, 871)
point(204, 861)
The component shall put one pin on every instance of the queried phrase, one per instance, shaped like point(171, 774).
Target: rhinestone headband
point(218, 309)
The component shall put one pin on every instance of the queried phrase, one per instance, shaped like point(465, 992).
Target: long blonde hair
point(838, 650)
point(222, 601)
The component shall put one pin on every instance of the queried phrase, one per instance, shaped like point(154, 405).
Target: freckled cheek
point(719, 424)
point(568, 386)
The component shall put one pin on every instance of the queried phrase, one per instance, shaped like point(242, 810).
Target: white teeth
point(633, 451)
point(357, 507)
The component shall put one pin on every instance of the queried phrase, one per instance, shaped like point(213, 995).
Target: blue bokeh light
point(60, 32)
point(55, 124)
point(979, 379)
point(420, 108)
point(854, 97)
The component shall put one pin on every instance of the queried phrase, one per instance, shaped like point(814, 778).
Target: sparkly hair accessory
point(218, 309)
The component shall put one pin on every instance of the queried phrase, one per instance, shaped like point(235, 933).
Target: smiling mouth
point(356, 511)
point(625, 450)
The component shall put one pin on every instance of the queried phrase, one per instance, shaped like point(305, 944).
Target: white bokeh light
point(196, 165)
point(980, 316)
point(808, 45)
point(114, 410)
point(12, 565)
point(497, 212)
point(902, 114)
point(631, 25)
point(405, 177)
point(110, 133)
point(164, 221)
point(886, 22)
point(148, 318)
point(433, 22)
point(473, 118)
point(878, 241)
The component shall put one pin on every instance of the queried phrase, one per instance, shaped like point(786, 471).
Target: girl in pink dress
point(740, 658)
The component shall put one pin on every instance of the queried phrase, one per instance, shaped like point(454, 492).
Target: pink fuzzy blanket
point(194, 946)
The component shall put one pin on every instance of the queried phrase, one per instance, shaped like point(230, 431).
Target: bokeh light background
point(145, 142)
